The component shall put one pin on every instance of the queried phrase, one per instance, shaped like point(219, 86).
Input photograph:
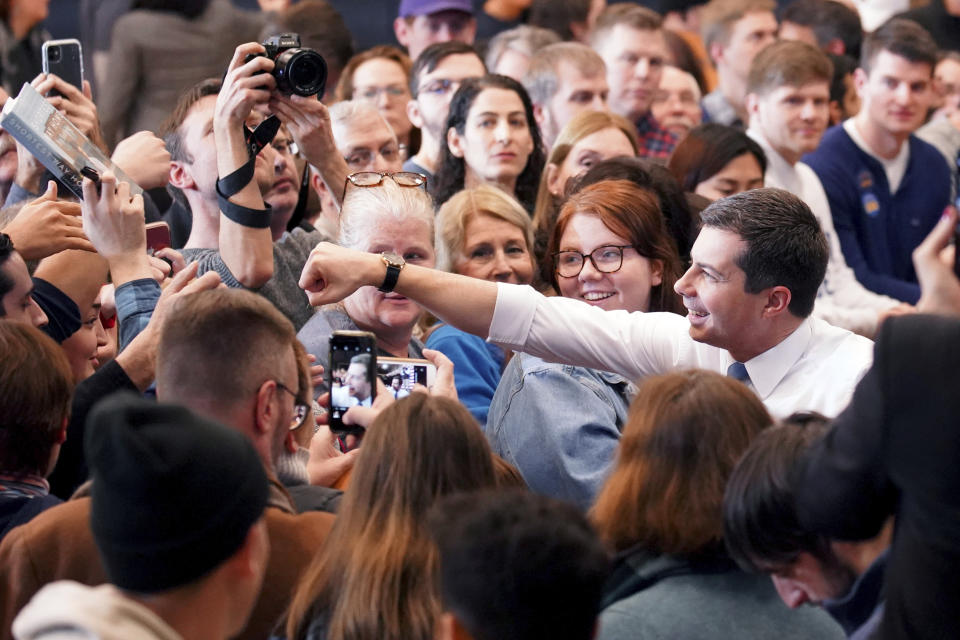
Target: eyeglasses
point(300, 410)
point(439, 87)
point(375, 179)
point(285, 146)
point(605, 259)
point(372, 93)
point(361, 157)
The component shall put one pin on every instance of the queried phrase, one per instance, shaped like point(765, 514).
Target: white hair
point(364, 208)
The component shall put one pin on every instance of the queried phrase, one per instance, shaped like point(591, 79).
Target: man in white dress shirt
point(788, 98)
point(757, 265)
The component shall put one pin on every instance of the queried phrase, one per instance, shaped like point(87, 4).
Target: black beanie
point(63, 315)
point(174, 495)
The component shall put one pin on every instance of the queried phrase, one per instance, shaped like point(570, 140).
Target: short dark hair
point(431, 57)
point(760, 524)
point(707, 149)
point(6, 282)
point(361, 358)
point(517, 565)
point(36, 387)
point(452, 170)
point(829, 20)
point(784, 243)
point(843, 66)
point(557, 15)
point(170, 129)
point(626, 14)
point(901, 37)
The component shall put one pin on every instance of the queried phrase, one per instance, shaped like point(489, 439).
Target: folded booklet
point(56, 142)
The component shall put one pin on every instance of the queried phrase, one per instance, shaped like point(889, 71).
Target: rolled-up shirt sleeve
point(136, 301)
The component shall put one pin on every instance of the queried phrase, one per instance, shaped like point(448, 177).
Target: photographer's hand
point(114, 222)
point(144, 157)
point(77, 105)
point(308, 121)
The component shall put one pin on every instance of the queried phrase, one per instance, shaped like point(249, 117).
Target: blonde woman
point(483, 233)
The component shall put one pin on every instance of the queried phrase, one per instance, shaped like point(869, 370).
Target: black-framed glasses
point(605, 259)
point(375, 179)
point(300, 410)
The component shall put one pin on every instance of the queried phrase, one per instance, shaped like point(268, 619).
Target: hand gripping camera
point(297, 70)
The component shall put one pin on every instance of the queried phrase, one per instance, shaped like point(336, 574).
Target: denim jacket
point(559, 425)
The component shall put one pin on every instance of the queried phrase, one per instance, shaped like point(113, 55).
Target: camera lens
point(53, 54)
point(301, 71)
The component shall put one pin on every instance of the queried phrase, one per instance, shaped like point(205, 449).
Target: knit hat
point(174, 495)
point(63, 315)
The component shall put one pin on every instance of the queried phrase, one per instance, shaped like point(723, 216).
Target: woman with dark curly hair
point(492, 138)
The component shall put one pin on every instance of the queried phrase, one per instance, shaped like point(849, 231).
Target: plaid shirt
point(655, 142)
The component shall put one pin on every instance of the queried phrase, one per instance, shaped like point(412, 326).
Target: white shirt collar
point(770, 367)
point(780, 173)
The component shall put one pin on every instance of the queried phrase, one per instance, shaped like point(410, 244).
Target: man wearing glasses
point(436, 76)
point(757, 264)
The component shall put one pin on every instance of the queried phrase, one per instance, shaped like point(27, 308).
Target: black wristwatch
point(395, 264)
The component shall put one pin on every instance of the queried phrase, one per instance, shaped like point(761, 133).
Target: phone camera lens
point(54, 55)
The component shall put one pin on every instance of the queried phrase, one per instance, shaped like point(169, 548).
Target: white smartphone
point(400, 374)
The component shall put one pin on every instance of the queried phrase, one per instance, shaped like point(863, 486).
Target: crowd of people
point(685, 271)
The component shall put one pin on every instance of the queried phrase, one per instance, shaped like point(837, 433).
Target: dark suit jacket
point(896, 451)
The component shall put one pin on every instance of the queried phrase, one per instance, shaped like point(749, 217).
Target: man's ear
point(579, 31)
point(402, 31)
point(455, 142)
point(180, 177)
point(290, 442)
point(836, 47)
point(265, 409)
point(778, 301)
point(860, 79)
point(413, 113)
point(716, 53)
point(541, 115)
point(752, 103)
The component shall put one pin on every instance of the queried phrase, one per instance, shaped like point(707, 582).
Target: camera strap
point(227, 186)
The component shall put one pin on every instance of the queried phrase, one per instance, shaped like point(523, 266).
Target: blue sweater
point(878, 230)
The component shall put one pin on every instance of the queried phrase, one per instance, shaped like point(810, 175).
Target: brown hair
point(374, 577)
point(217, 347)
point(579, 127)
point(36, 386)
point(170, 129)
point(788, 63)
point(542, 77)
point(683, 437)
point(345, 87)
point(719, 16)
point(629, 15)
point(632, 213)
point(902, 37)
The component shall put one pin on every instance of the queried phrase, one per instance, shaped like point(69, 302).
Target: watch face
point(393, 259)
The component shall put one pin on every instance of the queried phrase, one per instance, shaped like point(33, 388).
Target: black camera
point(297, 70)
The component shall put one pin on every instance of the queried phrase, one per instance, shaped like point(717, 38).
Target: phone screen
point(400, 374)
point(351, 376)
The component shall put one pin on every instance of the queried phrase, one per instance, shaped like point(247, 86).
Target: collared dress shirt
point(653, 140)
point(815, 368)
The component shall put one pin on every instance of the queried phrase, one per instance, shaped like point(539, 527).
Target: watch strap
point(390, 280)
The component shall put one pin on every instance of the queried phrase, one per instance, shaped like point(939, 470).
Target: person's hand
point(933, 261)
point(901, 309)
point(144, 157)
point(308, 122)
point(333, 272)
point(114, 222)
point(183, 284)
point(46, 226)
point(175, 258)
point(246, 84)
point(316, 373)
point(76, 104)
point(30, 171)
point(327, 463)
point(444, 384)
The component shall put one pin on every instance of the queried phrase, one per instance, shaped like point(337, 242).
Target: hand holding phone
point(399, 375)
point(64, 59)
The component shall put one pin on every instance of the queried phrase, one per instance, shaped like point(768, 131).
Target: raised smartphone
point(63, 58)
point(400, 374)
point(351, 375)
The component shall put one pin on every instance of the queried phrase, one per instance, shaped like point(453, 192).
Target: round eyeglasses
point(605, 259)
point(375, 179)
point(300, 410)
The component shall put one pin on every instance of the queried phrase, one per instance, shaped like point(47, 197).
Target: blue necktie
point(738, 371)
